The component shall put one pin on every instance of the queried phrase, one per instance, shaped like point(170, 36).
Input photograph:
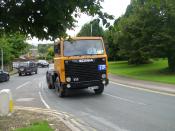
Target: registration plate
point(101, 67)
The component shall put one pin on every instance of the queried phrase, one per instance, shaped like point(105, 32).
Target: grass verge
point(23, 120)
point(38, 126)
point(155, 71)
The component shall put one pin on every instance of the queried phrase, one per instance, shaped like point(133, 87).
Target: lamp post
point(91, 28)
point(91, 25)
point(2, 59)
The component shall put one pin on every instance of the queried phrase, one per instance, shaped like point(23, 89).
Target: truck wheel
point(60, 90)
point(49, 86)
point(36, 72)
point(20, 74)
point(99, 90)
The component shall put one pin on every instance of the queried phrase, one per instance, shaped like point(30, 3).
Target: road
point(119, 109)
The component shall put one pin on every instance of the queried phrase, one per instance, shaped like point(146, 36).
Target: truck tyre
point(49, 86)
point(99, 90)
point(20, 74)
point(60, 90)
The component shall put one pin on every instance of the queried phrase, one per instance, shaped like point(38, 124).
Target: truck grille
point(84, 70)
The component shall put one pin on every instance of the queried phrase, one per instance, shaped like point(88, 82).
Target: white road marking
point(39, 84)
point(25, 99)
point(26, 83)
point(125, 99)
point(105, 122)
point(43, 101)
point(143, 89)
point(35, 79)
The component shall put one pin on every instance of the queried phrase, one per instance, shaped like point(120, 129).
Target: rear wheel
point(20, 74)
point(99, 90)
point(50, 86)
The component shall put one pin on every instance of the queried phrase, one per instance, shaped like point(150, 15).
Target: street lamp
point(91, 28)
point(2, 60)
point(91, 25)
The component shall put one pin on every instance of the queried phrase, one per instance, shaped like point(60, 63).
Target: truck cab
point(79, 63)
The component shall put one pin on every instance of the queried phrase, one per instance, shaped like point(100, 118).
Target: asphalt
point(119, 108)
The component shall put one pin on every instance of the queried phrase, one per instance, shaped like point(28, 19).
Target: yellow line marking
point(143, 89)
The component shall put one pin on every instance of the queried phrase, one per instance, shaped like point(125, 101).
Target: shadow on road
point(81, 94)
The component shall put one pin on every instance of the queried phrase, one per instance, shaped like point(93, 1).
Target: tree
point(17, 43)
point(147, 30)
point(13, 45)
point(6, 50)
point(45, 50)
point(97, 30)
point(112, 47)
point(50, 53)
point(158, 29)
point(47, 19)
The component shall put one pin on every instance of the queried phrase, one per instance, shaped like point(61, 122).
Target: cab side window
point(57, 48)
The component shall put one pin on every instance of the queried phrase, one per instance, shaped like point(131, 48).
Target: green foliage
point(39, 126)
point(97, 30)
point(13, 46)
point(6, 50)
point(155, 71)
point(46, 51)
point(50, 53)
point(112, 47)
point(47, 19)
point(43, 48)
point(146, 30)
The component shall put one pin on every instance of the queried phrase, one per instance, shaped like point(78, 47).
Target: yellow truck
point(79, 63)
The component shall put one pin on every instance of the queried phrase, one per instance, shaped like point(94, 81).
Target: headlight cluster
point(103, 76)
point(68, 79)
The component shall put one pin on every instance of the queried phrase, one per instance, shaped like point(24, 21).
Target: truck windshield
point(83, 47)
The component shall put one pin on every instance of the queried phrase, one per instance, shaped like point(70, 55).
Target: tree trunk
point(171, 63)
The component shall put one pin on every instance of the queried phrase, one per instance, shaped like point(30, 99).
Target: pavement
point(70, 121)
point(13, 72)
point(154, 86)
point(121, 107)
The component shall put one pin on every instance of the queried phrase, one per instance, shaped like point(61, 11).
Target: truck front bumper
point(85, 84)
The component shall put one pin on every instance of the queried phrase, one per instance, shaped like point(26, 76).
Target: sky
point(112, 7)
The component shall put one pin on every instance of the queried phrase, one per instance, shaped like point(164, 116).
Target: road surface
point(119, 109)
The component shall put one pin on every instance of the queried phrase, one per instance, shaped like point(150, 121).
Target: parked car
point(28, 67)
point(43, 63)
point(4, 76)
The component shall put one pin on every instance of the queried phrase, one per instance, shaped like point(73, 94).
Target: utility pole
point(91, 25)
point(91, 28)
point(2, 59)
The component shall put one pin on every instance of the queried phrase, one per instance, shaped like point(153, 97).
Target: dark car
point(4, 76)
point(43, 63)
point(28, 67)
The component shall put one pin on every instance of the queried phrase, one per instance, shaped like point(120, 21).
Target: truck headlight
point(21, 69)
point(68, 79)
point(103, 76)
point(104, 82)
